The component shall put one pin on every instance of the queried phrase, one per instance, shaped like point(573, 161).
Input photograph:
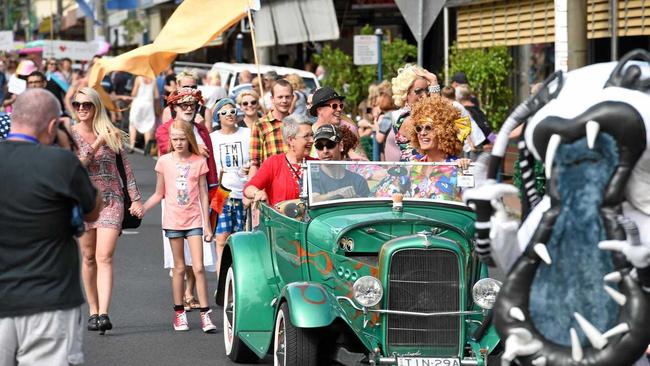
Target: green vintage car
point(373, 265)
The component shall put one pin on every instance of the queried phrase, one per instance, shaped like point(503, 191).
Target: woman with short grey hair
point(291, 124)
point(280, 176)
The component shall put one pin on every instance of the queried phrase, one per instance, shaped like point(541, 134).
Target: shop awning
point(295, 21)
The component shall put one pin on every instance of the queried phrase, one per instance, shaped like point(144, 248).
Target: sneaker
point(180, 322)
point(206, 322)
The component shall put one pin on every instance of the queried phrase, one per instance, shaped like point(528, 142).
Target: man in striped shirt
point(266, 134)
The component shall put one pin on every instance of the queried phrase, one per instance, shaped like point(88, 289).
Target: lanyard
point(296, 175)
point(22, 136)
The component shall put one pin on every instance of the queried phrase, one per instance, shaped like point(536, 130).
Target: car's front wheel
point(293, 346)
point(236, 350)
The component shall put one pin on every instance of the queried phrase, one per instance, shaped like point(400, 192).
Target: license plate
point(427, 361)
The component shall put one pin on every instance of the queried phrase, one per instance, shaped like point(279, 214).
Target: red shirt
point(277, 179)
point(162, 139)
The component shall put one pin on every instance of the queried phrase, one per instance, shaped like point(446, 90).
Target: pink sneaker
point(206, 322)
point(180, 321)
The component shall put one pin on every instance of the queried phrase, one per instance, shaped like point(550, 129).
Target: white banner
point(79, 51)
point(365, 50)
point(6, 41)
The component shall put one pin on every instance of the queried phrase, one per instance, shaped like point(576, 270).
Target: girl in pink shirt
point(182, 182)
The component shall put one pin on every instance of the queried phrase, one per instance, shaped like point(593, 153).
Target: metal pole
point(419, 36)
point(380, 68)
point(380, 76)
point(446, 36)
point(239, 45)
point(613, 5)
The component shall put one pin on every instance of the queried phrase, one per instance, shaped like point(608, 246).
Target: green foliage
point(353, 80)
point(487, 71)
point(133, 27)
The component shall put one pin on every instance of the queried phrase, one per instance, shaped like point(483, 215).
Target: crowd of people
point(249, 140)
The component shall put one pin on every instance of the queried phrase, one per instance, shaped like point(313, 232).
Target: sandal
point(187, 304)
point(190, 303)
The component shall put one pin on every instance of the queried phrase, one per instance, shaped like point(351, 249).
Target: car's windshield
point(355, 181)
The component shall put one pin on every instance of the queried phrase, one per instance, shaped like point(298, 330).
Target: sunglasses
point(418, 91)
point(246, 104)
point(83, 105)
point(423, 128)
point(231, 112)
point(186, 106)
point(189, 86)
point(327, 144)
point(336, 106)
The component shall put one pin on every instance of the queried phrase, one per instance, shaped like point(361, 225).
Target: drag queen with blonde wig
point(411, 84)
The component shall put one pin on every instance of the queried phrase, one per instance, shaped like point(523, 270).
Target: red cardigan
point(162, 138)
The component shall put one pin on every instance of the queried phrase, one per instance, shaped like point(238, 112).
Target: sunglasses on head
point(231, 112)
point(85, 105)
point(336, 106)
point(246, 104)
point(186, 106)
point(423, 128)
point(329, 144)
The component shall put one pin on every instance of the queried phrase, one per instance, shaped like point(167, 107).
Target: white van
point(230, 74)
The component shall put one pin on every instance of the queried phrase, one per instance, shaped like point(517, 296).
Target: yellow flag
point(191, 26)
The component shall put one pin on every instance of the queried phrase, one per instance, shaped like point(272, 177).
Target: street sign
point(72, 49)
point(419, 16)
point(415, 19)
point(6, 41)
point(365, 50)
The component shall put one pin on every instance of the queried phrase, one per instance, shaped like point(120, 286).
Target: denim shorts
point(183, 233)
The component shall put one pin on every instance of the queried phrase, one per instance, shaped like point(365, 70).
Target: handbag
point(128, 221)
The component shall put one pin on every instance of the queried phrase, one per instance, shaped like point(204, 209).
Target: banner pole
point(257, 63)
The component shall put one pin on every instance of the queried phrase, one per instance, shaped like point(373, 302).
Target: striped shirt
point(266, 139)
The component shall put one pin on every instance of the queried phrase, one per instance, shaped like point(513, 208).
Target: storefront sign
point(365, 50)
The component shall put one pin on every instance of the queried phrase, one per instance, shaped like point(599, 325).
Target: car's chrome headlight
point(485, 292)
point(367, 291)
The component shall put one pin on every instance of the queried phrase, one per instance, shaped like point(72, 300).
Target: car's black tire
point(236, 350)
point(293, 346)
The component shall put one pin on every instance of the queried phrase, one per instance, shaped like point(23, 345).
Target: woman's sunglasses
point(336, 106)
point(327, 144)
point(251, 103)
point(231, 112)
point(423, 128)
point(85, 105)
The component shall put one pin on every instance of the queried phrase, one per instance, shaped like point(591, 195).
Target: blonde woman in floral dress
point(99, 141)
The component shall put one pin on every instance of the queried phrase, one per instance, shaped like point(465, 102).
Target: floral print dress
point(103, 172)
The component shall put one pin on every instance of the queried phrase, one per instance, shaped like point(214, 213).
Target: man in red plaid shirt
point(266, 134)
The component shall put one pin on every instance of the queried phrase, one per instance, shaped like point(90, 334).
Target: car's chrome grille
point(424, 281)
